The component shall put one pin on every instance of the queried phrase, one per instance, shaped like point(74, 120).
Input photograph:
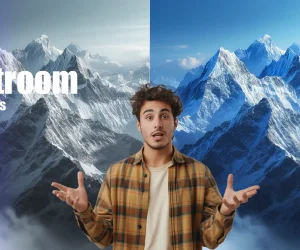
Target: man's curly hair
point(158, 93)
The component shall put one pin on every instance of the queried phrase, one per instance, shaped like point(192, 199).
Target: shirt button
point(140, 226)
point(145, 175)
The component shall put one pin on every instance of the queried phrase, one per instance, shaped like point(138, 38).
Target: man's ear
point(138, 125)
point(175, 123)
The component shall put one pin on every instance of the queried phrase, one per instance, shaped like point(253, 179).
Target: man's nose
point(158, 124)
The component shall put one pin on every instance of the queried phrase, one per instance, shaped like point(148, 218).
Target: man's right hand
point(76, 198)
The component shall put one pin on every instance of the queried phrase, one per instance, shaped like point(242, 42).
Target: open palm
point(75, 197)
point(233, 199)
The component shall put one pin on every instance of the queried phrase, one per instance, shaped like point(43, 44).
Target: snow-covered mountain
point(41, 144)
point(96, 63)
point(50, 137)
point(97, 98)
point(288, 68)
point(224, 86)
point(94, 100)
point(236, 123)
point(259, 54)
point(259, 146)
point(47, 138)
point(75, 48)
point(129, 82)
point(37, 54)
point(9, 63)
point(191, 75)
point(282, 66)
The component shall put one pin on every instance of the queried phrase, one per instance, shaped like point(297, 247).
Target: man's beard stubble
point(159, 147)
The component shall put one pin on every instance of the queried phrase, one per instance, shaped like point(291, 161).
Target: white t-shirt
point(157, 228)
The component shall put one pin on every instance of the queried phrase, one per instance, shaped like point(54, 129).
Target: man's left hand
point(233, 199)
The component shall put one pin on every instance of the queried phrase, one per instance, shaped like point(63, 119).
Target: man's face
point(157, 124)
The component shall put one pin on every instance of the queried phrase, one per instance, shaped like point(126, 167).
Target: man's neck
point(157, 158)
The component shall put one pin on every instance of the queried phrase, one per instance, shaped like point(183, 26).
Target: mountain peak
point(223, 52)
point(266, 39)
point(295, 48)
point(43, 39)
point(74, 48)
point(260, 54)
point(37, 54)
point(222, 60)
point(221, 49)
point(67, 53)
point(290, 52)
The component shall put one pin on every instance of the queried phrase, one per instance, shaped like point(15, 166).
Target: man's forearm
point(215, 228)
point(98, 228)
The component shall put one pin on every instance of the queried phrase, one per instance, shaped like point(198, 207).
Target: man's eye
point(149, 117)
point(165, 116)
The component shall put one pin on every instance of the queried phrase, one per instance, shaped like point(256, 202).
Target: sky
point(191, 31)
point(113, 28)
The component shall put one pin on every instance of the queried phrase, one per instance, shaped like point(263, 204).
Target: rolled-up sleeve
point(214, 226)
point(97, 223)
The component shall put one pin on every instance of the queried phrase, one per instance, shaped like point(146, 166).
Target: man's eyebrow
point(162, 110)
point(165, 109)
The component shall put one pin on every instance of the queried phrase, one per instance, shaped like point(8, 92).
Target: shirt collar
point(177, 156)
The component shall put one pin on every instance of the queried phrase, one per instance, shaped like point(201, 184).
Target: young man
point(157, 198)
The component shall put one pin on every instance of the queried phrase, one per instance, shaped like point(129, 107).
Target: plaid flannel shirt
point(120, 214)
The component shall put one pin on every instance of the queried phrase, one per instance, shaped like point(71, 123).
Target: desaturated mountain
point(98, 99)
point(96, 63)
point(288, 68)
point(9, 63)
point(50, 137)
point(75, 49)
point(47, 138)
point(217, 96)
point(41, 144)
point(94, 100)
point(131, 81)
point(139, 77)
point(259, 54)
point(260, 145)
point(37, 54)
point(191, 75)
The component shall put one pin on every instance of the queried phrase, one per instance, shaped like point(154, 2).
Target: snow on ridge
point(8, 62)
point(223, 88)
point(280, 67)
point(271, 48)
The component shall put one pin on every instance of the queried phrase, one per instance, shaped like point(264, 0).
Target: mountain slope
point(224, 86)
point(259, 146)
point(37, 54)
point(259, 54)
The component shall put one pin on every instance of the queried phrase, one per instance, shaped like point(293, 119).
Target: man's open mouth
point(158, 135)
